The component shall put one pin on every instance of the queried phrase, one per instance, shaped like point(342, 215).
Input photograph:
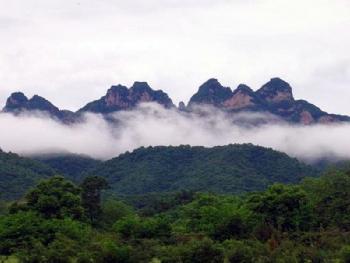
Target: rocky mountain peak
point(211, 92)
point(242, 97)
point(120, 97)
point(244, 89)
point(117, 89)
point(16, 101)
point(140, 86)
point(275, 91)
point(42, 104)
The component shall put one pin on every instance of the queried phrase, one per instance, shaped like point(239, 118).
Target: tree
point(55, 198)
point(92, 187)
point(282, 207)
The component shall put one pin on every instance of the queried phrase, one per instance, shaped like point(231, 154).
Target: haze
point(152, 125)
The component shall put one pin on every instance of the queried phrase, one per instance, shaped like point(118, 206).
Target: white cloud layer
point(153, 125)
point(71, 51)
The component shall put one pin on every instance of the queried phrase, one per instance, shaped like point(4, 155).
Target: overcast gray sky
point(72, 51)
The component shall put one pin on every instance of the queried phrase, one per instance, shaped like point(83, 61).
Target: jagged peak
point(40, 103)
point(212, 83)
point(117, 87)
point(37, 98)
point(140, 86)
point(276, 84)
point(243, 88)
point(19, 95)
point(120, 89)
point(16, 101)
point(276, 90)
point(211, 92)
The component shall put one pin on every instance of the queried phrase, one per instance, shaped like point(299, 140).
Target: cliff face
point(121, 98)
point(276, 97)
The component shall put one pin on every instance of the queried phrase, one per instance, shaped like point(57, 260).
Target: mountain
point(117, 98)
point(18, 103)
point(121, 98)
point(276, 97)
point(18, 174)
point(222, 169)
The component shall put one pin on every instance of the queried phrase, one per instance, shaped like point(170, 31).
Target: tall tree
point(92, 187)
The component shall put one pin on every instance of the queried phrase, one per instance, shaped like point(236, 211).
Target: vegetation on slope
point(72, 166)
point(221, 169)
point(18, 174)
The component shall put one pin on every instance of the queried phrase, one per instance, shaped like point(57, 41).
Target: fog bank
point(152, 125)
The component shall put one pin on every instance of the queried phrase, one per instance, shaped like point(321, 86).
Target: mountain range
point(275, 97)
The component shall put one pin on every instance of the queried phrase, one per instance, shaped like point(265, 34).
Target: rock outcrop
point(274, 97)
point(121, 98)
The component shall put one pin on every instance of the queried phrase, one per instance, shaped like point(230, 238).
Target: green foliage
point(91, 196)
point(105, 250)
point(245, 251)
point(55, 198)
point(18, 174)
point(330, 197)
point(283, 207)
point(202, 250)
point(27, 233)
point(135, 227)
point(71, 166)
point(222, 169)
point(112, 211)
point(345, 254)
point(307, 222)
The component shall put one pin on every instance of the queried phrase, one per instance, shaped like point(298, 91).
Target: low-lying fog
point(153, 125)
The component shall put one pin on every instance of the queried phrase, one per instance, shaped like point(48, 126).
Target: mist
point(152, 125)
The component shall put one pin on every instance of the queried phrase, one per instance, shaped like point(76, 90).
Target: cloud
point(152, 125)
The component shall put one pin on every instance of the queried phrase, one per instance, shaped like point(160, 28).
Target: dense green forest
point(18, 174)
point(222, 169)
point(59, 221)
point(72, 166)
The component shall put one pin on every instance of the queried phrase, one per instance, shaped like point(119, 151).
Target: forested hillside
point(70, 165)
point(222, 169)
point(18, 174)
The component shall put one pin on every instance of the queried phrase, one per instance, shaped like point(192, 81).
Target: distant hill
point(72, 166)
point(275, 97)
point(18, 174)
point(222, 169)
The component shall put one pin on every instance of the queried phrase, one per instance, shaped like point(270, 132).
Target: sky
point(72, 51)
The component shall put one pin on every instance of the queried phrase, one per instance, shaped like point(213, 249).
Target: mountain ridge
point(274, 97)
